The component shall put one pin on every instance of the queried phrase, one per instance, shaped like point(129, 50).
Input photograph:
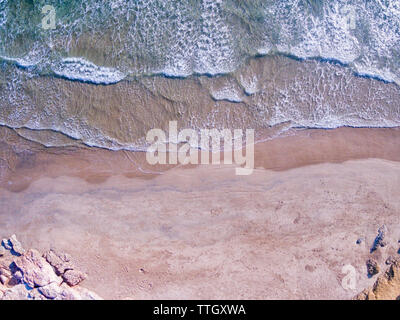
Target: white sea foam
point(249, 84)
point(229, 92)
point(3, 12)
point(205, 48)
point(83, 70)
point(226, 94)
point(30, 60)
point(182, 38)
point(363, 37)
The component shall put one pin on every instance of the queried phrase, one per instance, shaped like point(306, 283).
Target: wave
point(86, 71)
point(179, 38)
point(211, 63)
point(80, 69)
point(267, 92)
point(25, 62)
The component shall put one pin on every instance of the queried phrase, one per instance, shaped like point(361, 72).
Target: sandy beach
point(201, 232)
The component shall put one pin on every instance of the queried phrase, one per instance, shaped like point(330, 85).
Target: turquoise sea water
point(182, 37)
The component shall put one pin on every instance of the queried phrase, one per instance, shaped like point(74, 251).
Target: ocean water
point(112, 70)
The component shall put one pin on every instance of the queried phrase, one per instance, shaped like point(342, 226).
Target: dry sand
point(201, 232)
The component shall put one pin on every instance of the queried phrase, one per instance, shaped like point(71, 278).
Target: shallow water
point(274, 93)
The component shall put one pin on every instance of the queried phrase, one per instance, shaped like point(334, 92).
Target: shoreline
point(269, 91)
point(296, 148)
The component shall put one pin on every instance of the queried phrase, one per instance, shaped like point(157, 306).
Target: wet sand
point(201, 232)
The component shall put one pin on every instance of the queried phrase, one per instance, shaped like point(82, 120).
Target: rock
point(18, 292)
point(379, 240)
point(73, 277)
point(6, 244)
point(383, 243)
point(59, 261)
point(386, 287)
point(51, 291)
point(68, 293)
point(360, 240)
point(34, 294)
point(363, 295)
point(31, 276)
point(87, 294)
point(35, 270)
point(63, 292)
point(2, 251)
point(5, 272)
point(16, 245)
point(372, 267)
point(15, 275)
point(390, 260)
point(18, 275)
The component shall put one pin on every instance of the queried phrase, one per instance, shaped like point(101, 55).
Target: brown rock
point(68, 293)
point(18, 276)
point(35, 270)
point(54, 291)
point(2, 251)
point(33, 278)
point(59, 261)
point(5, 272)
point(18, 292)
point(380, 238)
point(86, 294)
point(34, 294)
point(363, 295)
point(372, 267)
point(73, 277)
point(386, 287)
point(390, 260)
point(51, 291)
point(6, 244)
point(16, 245)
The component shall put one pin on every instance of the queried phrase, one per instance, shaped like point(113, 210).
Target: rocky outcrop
point(372, 267)
point(6, 244)
point(73, 277)
point(36, 272)
point(26, 274)
point(63, 267)
point(380, 238)
point(61, 262)
point(17, 292)
point(386, 287)
point(16, 245)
